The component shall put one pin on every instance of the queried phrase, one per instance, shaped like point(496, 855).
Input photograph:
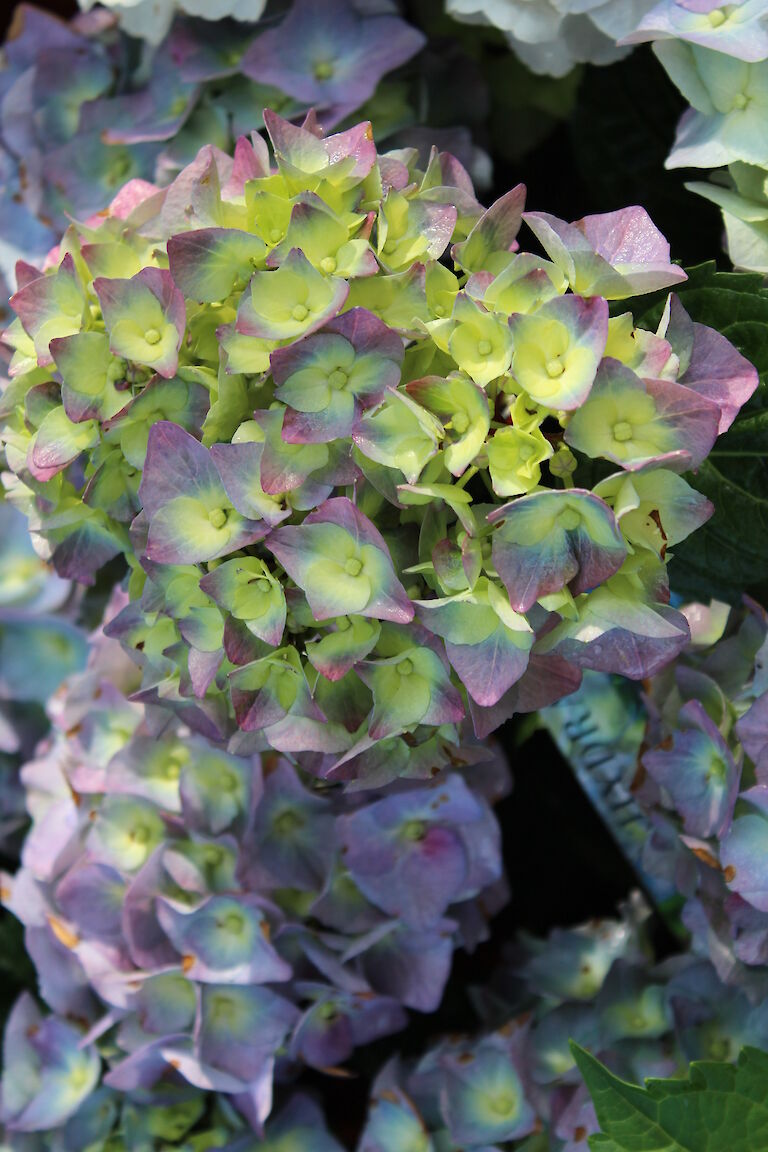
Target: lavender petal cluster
point(83, 110)
point(217, 920)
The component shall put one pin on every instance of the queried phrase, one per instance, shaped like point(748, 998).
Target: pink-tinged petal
point(176, 465)
point(627, 236)
point(720, 373)
point(306, 734)
point(494, 234)
point(694, 418)
point(339, 420)
point(86, 549)
point(304, 472)
point(239, 466)
point(698, 773)
point(251, 162)
point(295, 147)
point(208, 264)
point(615, 634)
point(547, 679)
point(558, 349)
point(488, 669)
point(550, 540)
point(131, 196)
point(145, 318)
point(50, 307)
point(409, 853)
point(616, 254)
point(489, 653)
point(190, 517)
point(635, 422)
point(58, 442)
point(193, 199)
point(361, 581)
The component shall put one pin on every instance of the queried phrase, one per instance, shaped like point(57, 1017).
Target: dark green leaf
point(718, 1108)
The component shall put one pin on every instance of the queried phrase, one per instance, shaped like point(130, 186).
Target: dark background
point(61, 7)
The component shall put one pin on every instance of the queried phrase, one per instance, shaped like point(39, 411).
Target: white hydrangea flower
point(150, 19)
point(529, 21)
point(618, 18)
point(728, 117)
point(551, 36)
point(738, 29)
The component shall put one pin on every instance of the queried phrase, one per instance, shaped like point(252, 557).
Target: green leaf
point(718, 1108)
point(729, 555)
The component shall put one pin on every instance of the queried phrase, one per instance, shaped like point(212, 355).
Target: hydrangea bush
point(342, 473)
point(367, 469)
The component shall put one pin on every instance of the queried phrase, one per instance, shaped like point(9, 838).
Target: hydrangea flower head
point(328, 412)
